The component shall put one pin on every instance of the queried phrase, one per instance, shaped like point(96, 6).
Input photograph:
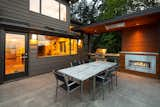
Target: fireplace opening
point(142, 64)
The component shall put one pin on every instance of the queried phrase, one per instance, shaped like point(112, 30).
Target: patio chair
point(74, 63)
point(113, 75)
point(104, 79)
point(68, 85)
point(81, 62)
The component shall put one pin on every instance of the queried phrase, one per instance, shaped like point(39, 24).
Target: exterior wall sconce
point(33, 39)
point(80, 43)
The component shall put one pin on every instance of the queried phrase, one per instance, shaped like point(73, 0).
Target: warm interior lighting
point(14, 51)
point(34, 36)
point(117, 25)
point(33, 39)
point(73, 46)
point(53, 46)
point(70, 28)
point(80, 43)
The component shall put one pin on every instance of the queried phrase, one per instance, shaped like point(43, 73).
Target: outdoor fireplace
point(141, 63)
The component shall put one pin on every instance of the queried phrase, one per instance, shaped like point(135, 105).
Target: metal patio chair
point(104, 79)
point(74, 63)
point(68, 85)
point(114, 76)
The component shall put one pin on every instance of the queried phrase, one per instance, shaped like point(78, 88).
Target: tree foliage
point(85, 12)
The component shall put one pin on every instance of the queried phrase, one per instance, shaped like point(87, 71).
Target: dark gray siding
point(19, 10)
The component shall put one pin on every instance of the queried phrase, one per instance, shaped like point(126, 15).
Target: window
point(50, 8)
point(62, 46)
point(53, 46)
point(62, 12)
point(34, 6)
point(73, 46)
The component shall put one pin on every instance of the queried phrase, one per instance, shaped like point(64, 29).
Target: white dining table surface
point(85, 71)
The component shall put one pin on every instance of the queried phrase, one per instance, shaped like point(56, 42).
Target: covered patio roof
point(148, 16)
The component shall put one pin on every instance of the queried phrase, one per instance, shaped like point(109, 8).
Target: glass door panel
point(14, 53)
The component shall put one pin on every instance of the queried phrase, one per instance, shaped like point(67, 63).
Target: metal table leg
point(81, 90)
point(94, 86)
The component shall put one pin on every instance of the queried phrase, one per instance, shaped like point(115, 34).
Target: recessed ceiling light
point(117, 25)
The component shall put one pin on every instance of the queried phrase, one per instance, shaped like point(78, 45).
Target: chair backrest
point(109, 71)
point(83, 61)
point(74, 63)
point(59, 77)
point(116, 67)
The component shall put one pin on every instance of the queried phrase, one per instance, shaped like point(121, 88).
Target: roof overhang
point(12, 24)
point(119, 23)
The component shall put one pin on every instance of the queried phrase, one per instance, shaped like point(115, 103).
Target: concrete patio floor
point(39, 91)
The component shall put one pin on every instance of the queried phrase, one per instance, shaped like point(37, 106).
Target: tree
point(138, 5)
point(85, 12)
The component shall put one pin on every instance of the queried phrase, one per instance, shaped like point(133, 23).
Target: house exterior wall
point(19, 10)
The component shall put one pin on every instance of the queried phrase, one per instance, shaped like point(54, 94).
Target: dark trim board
point(2, 47)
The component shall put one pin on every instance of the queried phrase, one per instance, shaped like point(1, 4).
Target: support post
point(89, 45)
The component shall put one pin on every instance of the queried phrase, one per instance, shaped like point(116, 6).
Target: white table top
point(85, 71)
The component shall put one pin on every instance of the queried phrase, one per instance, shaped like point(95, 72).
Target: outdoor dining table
point(85, 71)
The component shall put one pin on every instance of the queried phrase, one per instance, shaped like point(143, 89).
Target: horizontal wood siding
point(19, 10)
point(141, 39)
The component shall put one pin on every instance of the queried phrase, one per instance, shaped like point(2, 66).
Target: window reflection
point(50, 8)
point(63, 12)
point(34, 5)
point(14, 52)
point(73, 46)
point(53, 46)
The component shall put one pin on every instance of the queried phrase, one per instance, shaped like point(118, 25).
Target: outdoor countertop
point(107, 54)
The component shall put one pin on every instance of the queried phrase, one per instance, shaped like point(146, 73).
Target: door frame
point(25, 73)
point(2, 47)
